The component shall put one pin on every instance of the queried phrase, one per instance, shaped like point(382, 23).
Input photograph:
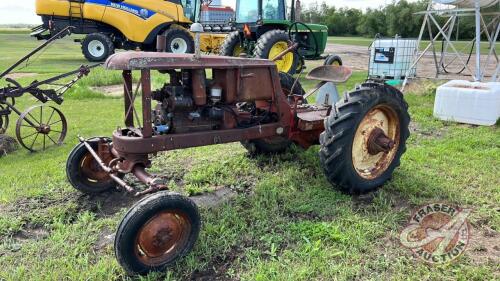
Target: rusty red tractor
point(210, 100)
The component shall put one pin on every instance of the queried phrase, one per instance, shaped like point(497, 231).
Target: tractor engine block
point(181, 109)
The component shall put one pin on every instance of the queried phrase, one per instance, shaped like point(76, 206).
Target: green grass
point(9, 30)
point(286, 223)
point(461, 46)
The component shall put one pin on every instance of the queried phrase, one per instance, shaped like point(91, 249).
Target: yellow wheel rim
point(238, 50)
point(371, 164)
point(285, 63)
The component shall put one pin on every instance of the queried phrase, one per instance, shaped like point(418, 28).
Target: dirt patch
point(107, 204)
point(110, 91)
point(105, 240)
point(211, 200)
point(19, 75)
point(7, 145)
point(416, 129)
point(484, 246)
point(31, 232)
point(220, 264)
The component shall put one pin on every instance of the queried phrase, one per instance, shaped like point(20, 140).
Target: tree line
point(396, 18)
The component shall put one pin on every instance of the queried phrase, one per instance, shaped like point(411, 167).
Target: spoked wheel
point(40, 127)
point(4, 121)
point(156, 232)
point(364, 138)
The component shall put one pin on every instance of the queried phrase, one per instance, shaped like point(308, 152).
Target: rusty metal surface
point(378, 142)
point(378, 131)
point(312, 120)
point(134, 145)
point(330, 73)
point(161, 61)
point(162, 237)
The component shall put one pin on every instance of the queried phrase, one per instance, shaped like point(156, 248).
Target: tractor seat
point(330, 73)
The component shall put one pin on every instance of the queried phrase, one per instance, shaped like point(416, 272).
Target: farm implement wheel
point(4, 121)
point(97, 47)
point(83, 171)
point(365, 138)
point(156, 232)
point(40, 127)
point(278, 144)
point(271, 44)
point(231, 47)
point(179, 41)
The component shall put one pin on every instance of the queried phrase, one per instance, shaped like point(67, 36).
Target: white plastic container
point(467, 3)
point(468, 102)
point(391, 58)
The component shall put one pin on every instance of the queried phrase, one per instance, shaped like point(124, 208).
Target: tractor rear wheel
point(179, 41)
point(97, 47)
point(156, 232)
point(271, 44)
point(231, 47)
point(364, 139)
point(276, 145)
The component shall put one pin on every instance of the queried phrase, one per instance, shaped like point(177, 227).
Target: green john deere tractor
point(264, 30)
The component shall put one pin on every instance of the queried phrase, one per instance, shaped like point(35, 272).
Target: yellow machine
point(122, 24)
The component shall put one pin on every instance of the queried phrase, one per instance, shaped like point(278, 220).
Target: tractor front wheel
point(364, 139)
point(156, 232)
point(97, 47)
point(83, 171)
point(273, 43)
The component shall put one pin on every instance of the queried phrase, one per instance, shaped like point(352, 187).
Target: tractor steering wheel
point(295, 26)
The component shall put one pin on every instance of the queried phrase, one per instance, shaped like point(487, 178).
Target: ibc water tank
point(391, 58)
point(467, 3)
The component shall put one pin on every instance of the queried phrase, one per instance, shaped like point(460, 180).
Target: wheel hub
point(92, 170)
point(96, 48)
point(162, 236)
point(44, 129)
point(378, 142)
point(286, 62)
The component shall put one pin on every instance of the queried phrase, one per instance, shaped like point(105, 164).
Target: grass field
point(286, 222)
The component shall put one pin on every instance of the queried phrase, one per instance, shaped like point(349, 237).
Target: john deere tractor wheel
point(271, 44)
point(276, 145)
point(156, 232)
point(364, 139)
point(231, 47)
point(97, 47)
point(179, 41)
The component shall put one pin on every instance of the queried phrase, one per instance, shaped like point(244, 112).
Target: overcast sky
point(23, 11)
